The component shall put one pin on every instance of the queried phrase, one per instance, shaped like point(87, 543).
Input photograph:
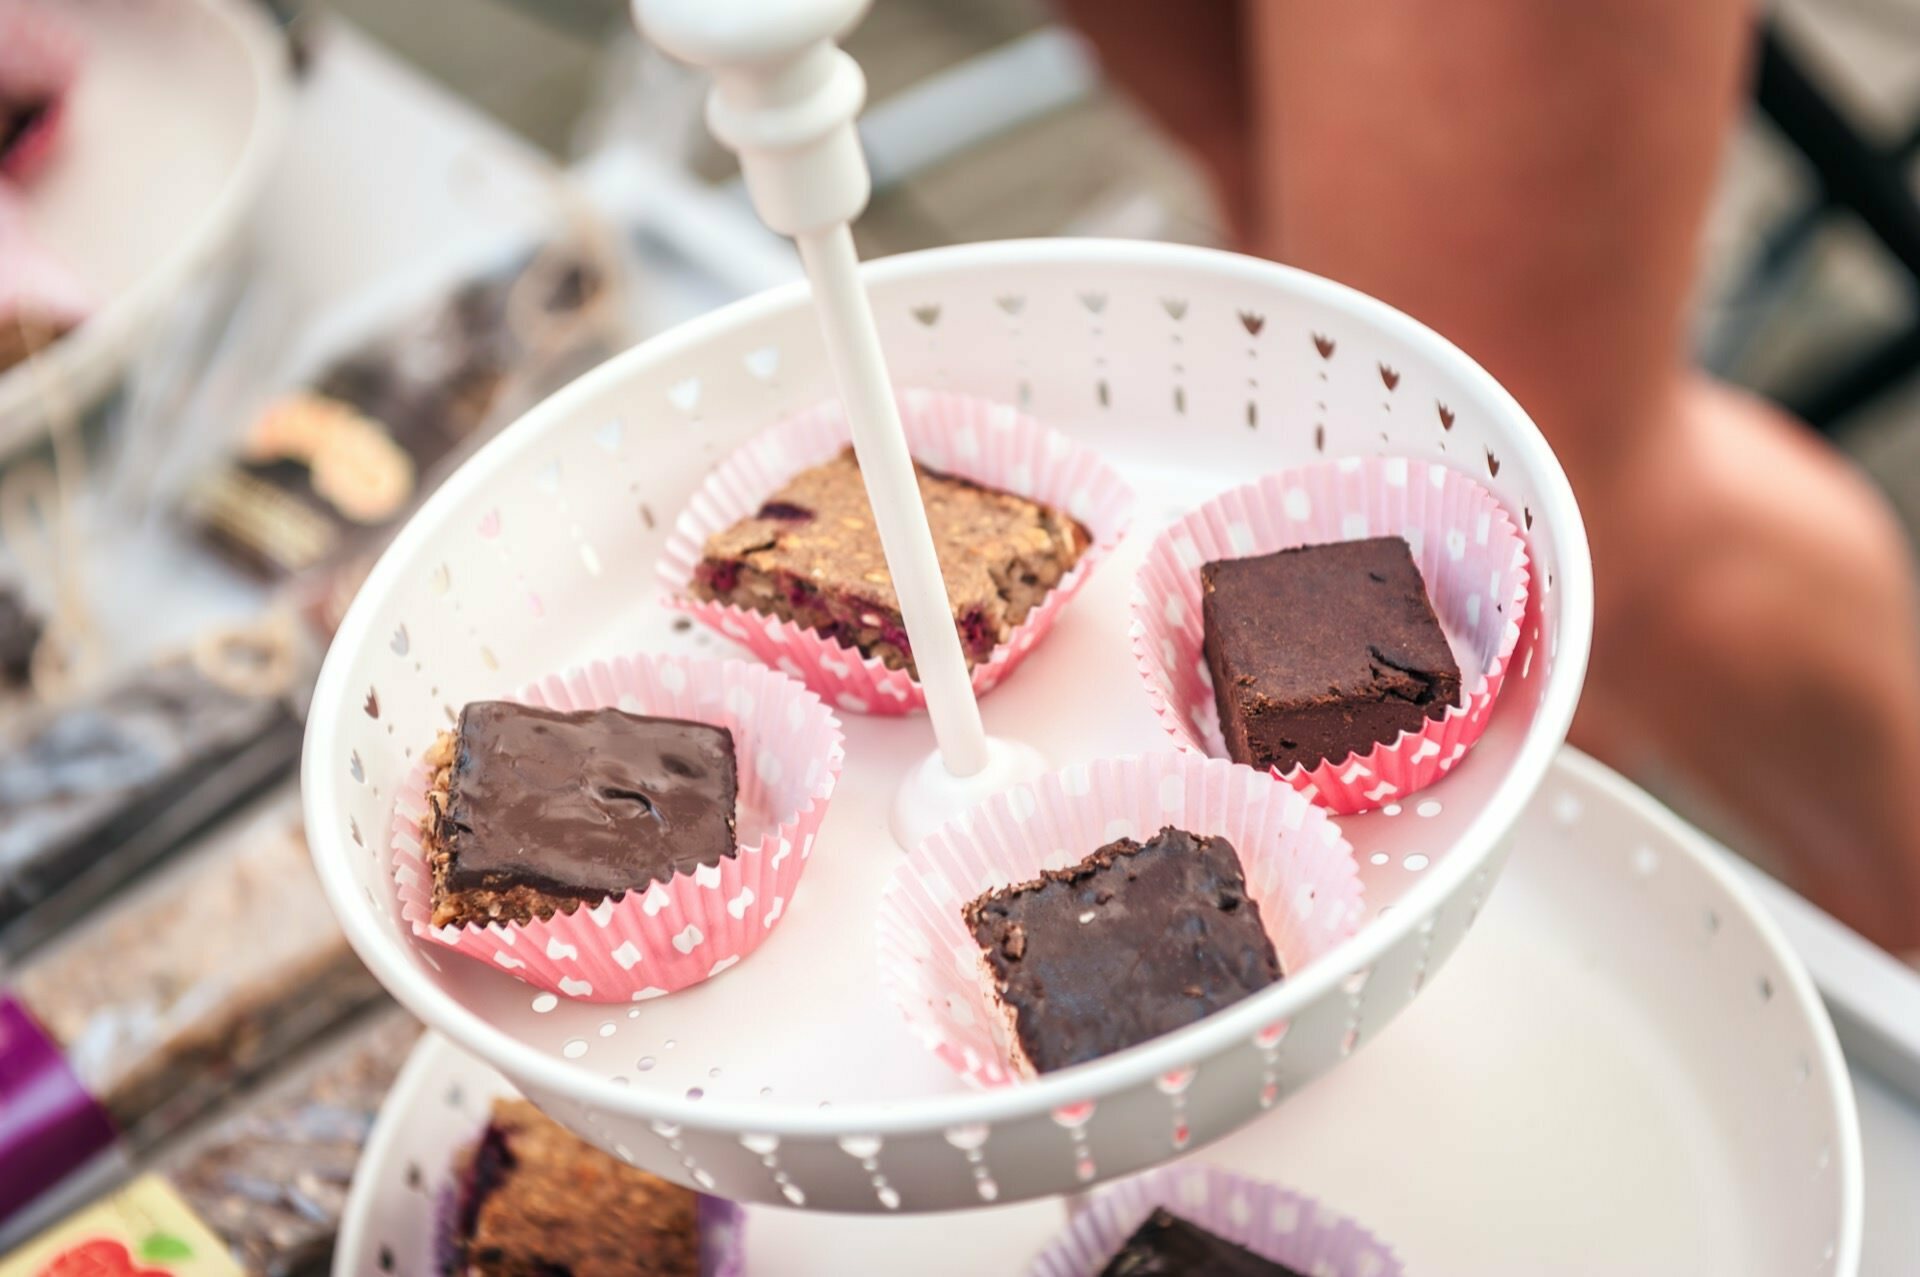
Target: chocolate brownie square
point(533, 811)
point(1323, 651)
point(536, 1200)
point(1168, 1246)
point(1132, 942)
point(811, 555)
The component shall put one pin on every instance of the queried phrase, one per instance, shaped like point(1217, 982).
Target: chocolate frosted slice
point(1132, 942)
point(535, 810)
point(1323, 651)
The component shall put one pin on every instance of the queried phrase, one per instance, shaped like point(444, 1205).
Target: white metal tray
point(1191, 371)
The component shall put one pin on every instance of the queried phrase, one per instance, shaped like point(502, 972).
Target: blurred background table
point(386, 171)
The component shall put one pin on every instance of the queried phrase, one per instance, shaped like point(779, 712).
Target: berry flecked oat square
point(811, 555)
point(536, 1199)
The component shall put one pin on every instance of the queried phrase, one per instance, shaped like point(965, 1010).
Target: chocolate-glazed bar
point(538, 1199)
point(1323, 651)
point(533, 811)
point(1168, 1246)
point(1132, 942)
point(94, 791)
point(811, 555)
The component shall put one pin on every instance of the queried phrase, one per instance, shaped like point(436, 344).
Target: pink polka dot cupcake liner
point(975, 439)
point(1274, 1223)
point(1299, 868)
point(1474, 561)
point(671, 935)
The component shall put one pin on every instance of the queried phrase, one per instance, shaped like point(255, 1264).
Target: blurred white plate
point(1624, 1070)
point(170, 132)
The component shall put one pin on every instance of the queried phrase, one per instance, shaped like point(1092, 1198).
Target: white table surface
point(383, 166)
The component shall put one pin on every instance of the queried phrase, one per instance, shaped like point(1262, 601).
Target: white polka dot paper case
point(1185, 373)
point(966, 436)
point(646, 944)
point(1470, 554)
point(1300, 873)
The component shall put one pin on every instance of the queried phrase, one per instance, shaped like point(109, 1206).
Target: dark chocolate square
point(1168, 1246)
point(537, 810)
point(1132, 942)
point(1323, 651)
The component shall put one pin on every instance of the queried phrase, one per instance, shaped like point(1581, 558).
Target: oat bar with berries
point(811, 555)
point(536, 1199)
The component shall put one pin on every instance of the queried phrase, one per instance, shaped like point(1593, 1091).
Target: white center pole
point(853, 347)
point(784, 99)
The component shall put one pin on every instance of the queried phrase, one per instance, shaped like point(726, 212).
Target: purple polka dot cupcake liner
point(1274, 1223)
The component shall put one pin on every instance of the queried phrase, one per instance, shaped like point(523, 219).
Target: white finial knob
point(784, 99)
point(723, 34)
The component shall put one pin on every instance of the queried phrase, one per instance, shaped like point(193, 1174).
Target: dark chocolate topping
point(1168, 1246)
point(588, 803)
point(1320, 651)
point(1132, 942)
point(1331, 619)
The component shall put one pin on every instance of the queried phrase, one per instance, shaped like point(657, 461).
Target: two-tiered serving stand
point(791, 1080)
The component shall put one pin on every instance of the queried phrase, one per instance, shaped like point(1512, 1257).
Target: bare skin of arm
point(1531, 179)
